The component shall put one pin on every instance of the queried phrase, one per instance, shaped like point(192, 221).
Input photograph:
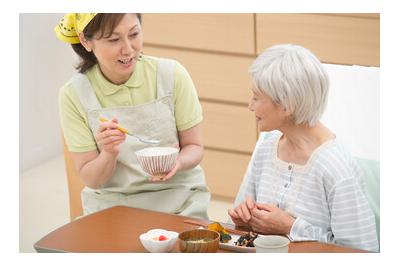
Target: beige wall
point(217, 50)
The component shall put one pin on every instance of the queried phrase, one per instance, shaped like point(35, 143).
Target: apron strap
point(165, 77)
point(85, 93)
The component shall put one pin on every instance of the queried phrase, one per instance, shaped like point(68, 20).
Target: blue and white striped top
point(325, 195)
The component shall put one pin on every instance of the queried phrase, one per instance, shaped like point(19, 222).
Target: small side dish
point(246, 240)
point(159, 240)
point(224, 236)
point(239, 243)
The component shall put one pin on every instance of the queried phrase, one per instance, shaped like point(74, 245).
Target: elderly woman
point(301, 181)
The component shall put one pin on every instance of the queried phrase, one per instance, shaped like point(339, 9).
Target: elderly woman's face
point(117, 55)
point(269, 115)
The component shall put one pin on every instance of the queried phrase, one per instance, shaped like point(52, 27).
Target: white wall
point(45, 64)
point(353, 108)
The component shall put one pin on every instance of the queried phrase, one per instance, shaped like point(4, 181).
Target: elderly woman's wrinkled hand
point(241, 215)
point(268, 219)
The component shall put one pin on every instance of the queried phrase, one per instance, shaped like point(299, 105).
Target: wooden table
point(117, 230)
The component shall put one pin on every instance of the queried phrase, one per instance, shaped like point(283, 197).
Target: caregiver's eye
point(133, 35)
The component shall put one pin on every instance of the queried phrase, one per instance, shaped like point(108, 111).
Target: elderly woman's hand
point(242, 213)
point(268, 219)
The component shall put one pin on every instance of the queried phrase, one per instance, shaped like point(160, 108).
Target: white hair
point(294, 78)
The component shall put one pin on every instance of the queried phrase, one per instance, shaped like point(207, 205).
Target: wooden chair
point(75, 185)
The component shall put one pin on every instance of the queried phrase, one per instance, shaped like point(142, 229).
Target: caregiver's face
point(118, 54)
point(269, 115)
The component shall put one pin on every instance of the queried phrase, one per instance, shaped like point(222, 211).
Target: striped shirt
point(325, 195)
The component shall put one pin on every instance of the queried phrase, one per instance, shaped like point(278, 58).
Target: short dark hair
point(103, 22)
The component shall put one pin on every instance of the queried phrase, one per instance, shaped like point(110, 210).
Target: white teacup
point(271, 244)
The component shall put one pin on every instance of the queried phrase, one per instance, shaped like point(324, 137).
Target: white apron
point(185, 193)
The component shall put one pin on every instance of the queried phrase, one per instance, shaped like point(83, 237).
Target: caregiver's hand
point(168, 175)
point(268, 219)
point(241, 215)
point(176, 168)
point(109, 137)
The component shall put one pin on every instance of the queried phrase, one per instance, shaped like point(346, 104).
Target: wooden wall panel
point(228, 127)
point(224, 172)
point(216, 76)
point(336, 39)
point(360, 15)
point(232, 33)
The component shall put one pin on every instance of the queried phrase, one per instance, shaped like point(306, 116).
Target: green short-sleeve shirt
point(140, 88)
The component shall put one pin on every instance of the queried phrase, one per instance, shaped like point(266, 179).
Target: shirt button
point(290, 167)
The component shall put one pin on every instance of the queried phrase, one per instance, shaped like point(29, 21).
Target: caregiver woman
point(149, 96)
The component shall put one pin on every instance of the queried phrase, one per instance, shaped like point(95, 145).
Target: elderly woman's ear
point(286, 111)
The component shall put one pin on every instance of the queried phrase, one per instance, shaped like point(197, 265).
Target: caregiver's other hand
point(109, 137)
point(241, 215)
point(268, 219)
point(168, 175)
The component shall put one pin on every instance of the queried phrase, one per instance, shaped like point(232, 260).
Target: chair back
point(75, 186)
point(371, 171)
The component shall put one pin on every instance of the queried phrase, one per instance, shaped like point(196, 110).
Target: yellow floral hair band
point(71, 25)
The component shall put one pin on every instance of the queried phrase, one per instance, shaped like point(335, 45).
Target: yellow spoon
point(124, 130)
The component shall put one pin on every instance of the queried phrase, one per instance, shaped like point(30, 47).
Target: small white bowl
point(157, 246)
point(271, 244)
point(157, 160)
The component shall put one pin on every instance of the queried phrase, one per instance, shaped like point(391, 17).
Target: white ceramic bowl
point(271, 244)
point(157, 246)
point(157, 160)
